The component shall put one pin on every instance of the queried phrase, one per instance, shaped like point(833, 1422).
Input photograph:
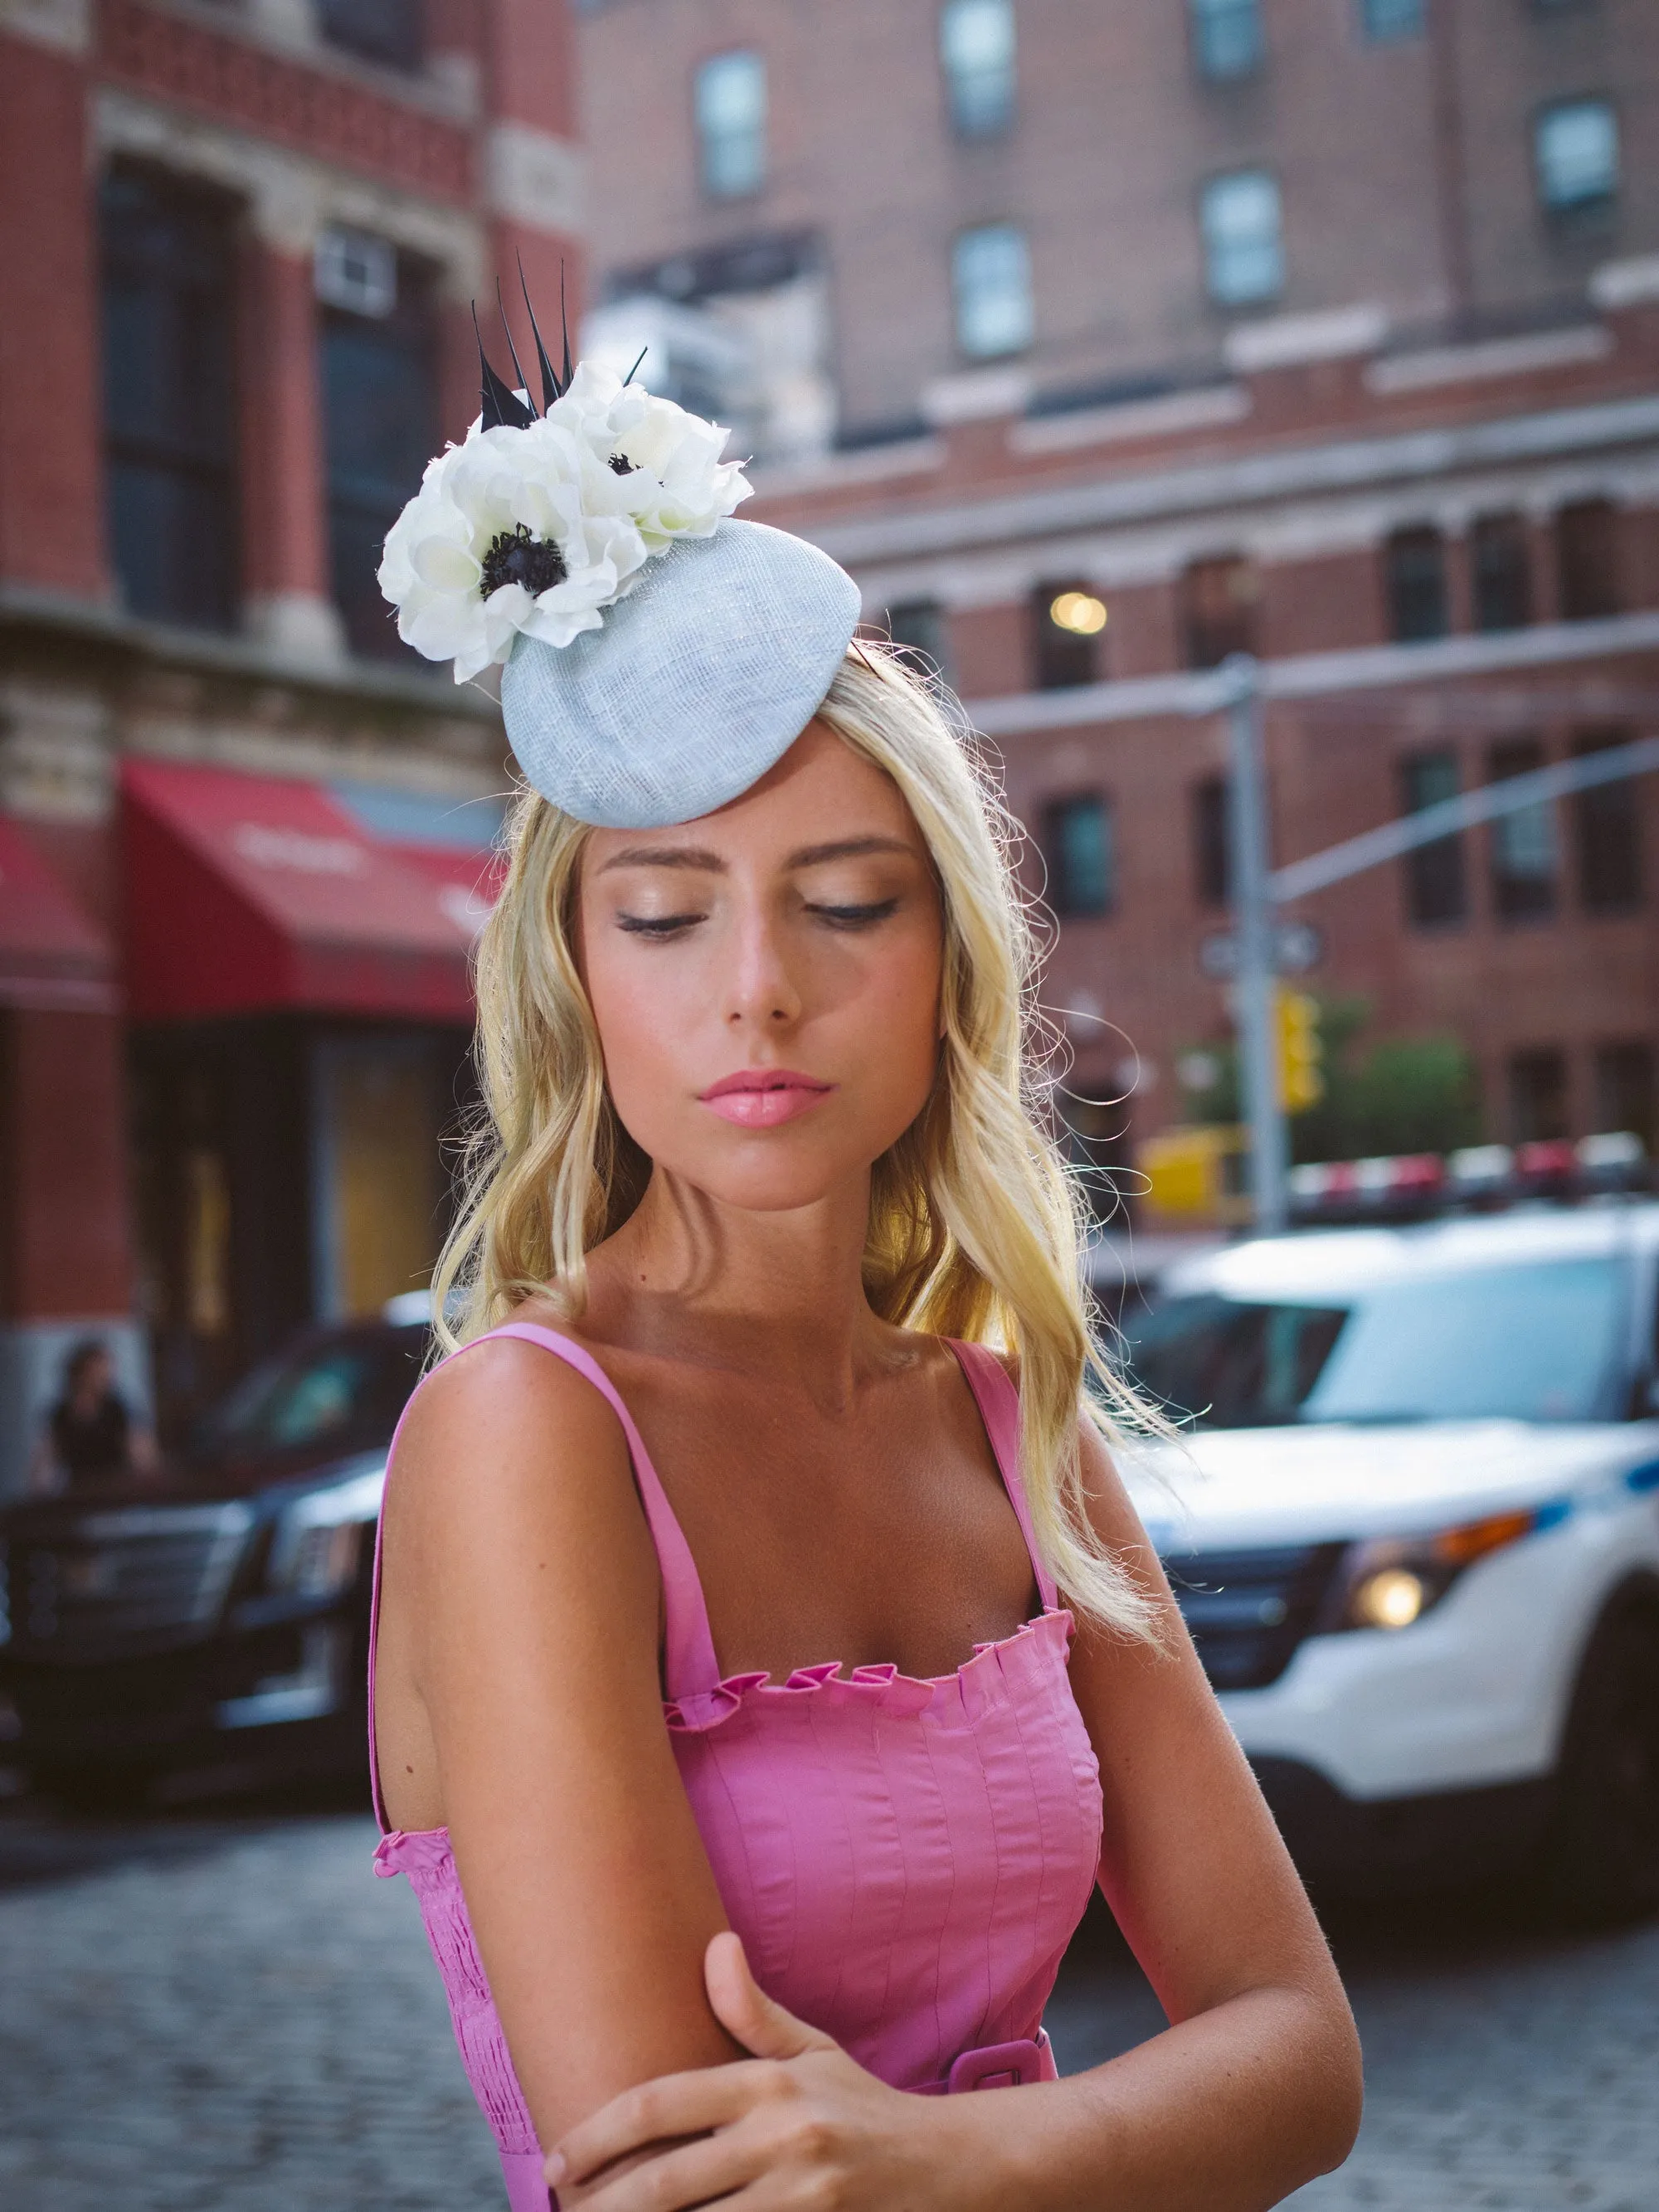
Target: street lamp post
point(1253, 921)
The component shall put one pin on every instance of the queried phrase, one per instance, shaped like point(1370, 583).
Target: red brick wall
point(51, 506)
point(67, 1234)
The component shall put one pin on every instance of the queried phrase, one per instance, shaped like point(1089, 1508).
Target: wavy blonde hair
point(974, 1227)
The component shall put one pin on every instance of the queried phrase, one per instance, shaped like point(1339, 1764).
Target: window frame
point(1397, 586)
point(996, 118)
point(1512, 903)
point(1579, 204)
point(1230, 296)
point(1210, 25)
point(743, 183)
point(1435, 877)
point(960, 247)
point(1058, 808)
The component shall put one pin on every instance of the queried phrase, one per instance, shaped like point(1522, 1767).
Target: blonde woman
point(769, 1661)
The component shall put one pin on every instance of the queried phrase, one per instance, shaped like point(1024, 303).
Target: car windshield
point(1536, 1343)
point(345, 1391)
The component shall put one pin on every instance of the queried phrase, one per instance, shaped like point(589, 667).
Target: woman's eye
point(856, 917)
point(657, 925)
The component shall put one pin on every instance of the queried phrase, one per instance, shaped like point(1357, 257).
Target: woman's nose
point(763, 989)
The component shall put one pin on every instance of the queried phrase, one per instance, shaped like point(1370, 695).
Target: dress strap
point(998, 1408)
point(689, 1661)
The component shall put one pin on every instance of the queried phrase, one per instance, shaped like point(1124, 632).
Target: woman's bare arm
point(520, 1609)
point(1255, 2086)
point(1252, 2090)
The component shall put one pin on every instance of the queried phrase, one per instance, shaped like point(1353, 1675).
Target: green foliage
point(1414, 1094)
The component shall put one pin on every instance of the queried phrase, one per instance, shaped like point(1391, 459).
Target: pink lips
point(764, 1097)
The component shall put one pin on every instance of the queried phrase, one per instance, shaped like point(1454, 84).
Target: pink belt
point(994, 2066)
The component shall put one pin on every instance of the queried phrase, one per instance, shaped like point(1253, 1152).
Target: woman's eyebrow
point(666, 856)
point(847, 849)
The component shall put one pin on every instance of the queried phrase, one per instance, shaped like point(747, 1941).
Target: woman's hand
point(799, 2126)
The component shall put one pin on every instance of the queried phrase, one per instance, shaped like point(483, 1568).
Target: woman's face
point(766, 979)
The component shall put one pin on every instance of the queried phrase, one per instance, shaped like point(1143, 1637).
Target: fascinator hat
point(658, 657)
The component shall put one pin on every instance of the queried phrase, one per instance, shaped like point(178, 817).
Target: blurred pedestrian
point(91, 1435)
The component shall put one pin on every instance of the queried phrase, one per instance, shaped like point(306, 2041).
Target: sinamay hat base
point(700, 680)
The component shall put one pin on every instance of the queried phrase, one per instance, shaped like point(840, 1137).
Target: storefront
point(299, 1007)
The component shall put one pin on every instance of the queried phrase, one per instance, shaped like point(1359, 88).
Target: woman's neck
point(779, 1293)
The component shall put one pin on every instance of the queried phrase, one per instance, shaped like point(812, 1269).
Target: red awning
point(249, 893)
point(51, 954)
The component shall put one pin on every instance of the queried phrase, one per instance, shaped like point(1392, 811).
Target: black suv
point(215, 1619)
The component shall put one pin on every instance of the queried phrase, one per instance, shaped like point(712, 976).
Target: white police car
point(1415, 1534)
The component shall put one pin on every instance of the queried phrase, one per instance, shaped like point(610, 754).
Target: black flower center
point(516, 557)
point(621, 466)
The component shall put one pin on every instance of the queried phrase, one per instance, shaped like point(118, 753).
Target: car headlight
point(1391, 1582)
point(318, 1540)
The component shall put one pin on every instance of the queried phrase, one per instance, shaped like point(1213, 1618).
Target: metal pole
point(1254, 1000)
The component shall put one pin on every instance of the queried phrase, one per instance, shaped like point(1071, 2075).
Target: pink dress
point(906, 1860)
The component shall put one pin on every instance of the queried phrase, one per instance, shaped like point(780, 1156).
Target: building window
point(378, 377)
point(1068, 622)
point(991, 278)
point(1212, 852)
point(917, 627)
point(1080, 847)
point(169, 397)
point(1500, 562)
point(1523, 855)
point(1241, 222)
point(731, 110)
point(1227, 40)
point(1587, 560)
point(387, 31)
point(1383, 21)
point(1624, 1090)
point(1575, 155)
point(1219, 600)
point(1414, 569)
point(1437, 885)
point(1608, 836)
point(1537, 1095)
point(976, 47)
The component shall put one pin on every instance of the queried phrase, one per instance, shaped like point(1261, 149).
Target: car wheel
point(1603, 1852)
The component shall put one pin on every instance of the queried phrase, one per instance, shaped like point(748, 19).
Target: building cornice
point(54, 615)
point(1342, 465)
point(1315, 675)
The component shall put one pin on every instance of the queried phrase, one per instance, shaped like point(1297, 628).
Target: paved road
point(229, 2014)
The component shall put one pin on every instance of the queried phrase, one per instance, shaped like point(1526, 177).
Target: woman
point(90, 1437)
point(730, 1723)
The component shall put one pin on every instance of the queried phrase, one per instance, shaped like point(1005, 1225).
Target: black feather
point(633, 371)
point(502, 408)
point(564, 322)
point(551, 387)
point(518, 371)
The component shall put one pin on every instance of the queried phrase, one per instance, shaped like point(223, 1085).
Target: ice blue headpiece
point(657, 656)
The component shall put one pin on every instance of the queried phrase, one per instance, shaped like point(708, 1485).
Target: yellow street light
point(1079, 611)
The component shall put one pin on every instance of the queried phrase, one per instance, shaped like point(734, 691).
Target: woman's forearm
point(1228, 2112)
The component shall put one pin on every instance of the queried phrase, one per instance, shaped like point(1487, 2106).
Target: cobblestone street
point(229, 2014)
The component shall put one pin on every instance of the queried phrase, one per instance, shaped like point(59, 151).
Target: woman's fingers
point(675, 2104)
point(744, 2010)
point(703, 2173)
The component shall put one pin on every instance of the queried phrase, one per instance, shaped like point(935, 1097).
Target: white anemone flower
point(536, 530)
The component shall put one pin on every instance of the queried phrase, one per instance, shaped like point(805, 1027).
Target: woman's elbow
point(1336, 2073)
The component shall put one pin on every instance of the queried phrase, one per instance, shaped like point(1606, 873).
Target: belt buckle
point(996, 2066)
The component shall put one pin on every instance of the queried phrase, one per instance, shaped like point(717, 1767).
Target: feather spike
point(502, 409)
point(518, 371)
point(633, 371)
point(551, 387)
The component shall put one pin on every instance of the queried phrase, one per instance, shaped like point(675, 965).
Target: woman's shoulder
point(511, 1406)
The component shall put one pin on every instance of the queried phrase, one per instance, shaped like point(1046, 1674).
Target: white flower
point(539, 530)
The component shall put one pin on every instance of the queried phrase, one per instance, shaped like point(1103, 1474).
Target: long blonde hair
point(974, 1220)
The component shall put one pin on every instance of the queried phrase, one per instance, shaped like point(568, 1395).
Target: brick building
point(242, 832)
point(1100, 343)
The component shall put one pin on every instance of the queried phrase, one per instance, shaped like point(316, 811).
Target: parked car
point(214, 1619)
point(1414, 1531)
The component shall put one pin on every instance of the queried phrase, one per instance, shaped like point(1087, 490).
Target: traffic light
point(1301, 1076)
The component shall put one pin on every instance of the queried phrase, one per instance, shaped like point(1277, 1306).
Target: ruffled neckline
point(977, 1682)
